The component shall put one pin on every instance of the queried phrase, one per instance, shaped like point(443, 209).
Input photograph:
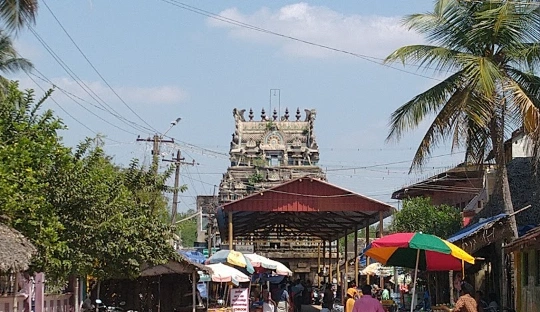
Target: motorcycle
point(316, 296)
point(101, 307)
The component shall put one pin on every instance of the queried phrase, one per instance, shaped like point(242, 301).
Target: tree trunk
point(501, 184)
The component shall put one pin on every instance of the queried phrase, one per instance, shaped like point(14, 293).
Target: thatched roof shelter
point(15, 250)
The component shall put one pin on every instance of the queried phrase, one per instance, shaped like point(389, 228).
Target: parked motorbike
point(316, 296)
point(101, 307)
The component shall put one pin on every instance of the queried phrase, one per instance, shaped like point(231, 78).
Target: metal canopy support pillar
point(381, 234)
point(345, 281)
point(330, 275)
point(367, 243)
point(230, 230)
point(356, 255)
point(324, 256)
point(319, 265)
point(338, 273)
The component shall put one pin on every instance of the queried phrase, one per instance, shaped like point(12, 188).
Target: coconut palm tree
point(490, 51)
point(15, 14)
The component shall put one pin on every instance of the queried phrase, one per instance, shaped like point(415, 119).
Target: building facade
point(269, 151)
point(266, 152)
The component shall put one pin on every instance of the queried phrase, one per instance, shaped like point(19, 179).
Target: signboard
point(240, 299)
point(240, 248)
point(245, 248)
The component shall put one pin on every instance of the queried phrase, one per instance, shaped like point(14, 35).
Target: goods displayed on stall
point(377, 269)
point(419, 251)
point(236, 280)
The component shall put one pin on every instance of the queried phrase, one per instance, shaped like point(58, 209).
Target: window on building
point(525, 268)
point(274, 161)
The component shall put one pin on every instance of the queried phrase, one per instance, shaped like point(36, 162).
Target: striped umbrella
point(419, 251)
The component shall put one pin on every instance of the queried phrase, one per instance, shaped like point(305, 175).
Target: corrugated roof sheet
point(472, 229)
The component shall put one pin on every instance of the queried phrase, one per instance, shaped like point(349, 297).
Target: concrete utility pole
point(157, 140)
point(178, 160)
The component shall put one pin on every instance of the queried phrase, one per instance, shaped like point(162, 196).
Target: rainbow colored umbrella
point(419, 251)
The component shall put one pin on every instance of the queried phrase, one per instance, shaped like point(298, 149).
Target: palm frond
point(483, 71)
point(526, 102)
point(478, 143)
point(527, 56)
point(441, 127)
point(448, 25)
point(409, 115)
point(426, 56)
point(18, 13)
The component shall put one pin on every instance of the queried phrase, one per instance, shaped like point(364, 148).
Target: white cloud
point(368, 35)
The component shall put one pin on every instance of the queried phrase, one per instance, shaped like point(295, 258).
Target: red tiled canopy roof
point(302, 207)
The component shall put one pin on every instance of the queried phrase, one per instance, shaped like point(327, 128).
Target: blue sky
point(162, 61)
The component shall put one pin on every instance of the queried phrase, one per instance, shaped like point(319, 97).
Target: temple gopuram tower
point(269, 151)
point(265, 153)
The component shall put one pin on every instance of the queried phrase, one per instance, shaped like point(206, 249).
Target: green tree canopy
point(85, 214)
point(419, 215)
point(31, 155)
point(109, 228)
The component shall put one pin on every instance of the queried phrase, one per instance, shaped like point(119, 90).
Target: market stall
point(228, 290)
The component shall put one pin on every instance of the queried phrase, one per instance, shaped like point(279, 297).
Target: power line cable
point(83, 85)
point(67, 113)
point(95, 69)
point(263, 30)
point(390, 163)
point(71, 96)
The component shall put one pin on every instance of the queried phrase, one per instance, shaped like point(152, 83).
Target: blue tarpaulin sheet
point(193, 256)
point(471, 229)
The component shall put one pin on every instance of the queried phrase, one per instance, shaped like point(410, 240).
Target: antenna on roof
point(275, 94)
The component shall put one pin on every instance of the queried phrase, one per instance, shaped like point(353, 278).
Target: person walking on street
point(367, 303)
point(328, 299)
point(283, 302)
point(465, 302)
point(351, 299)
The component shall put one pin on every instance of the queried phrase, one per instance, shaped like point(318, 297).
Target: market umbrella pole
point(414, 283)
point(194, 291)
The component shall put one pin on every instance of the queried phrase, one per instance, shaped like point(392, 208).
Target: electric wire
point(69, 114)
point(196, 165)
point(95, 69)
point(83, 85)
point(263, 30)
point(60, 106)
point(72, 97)
point(391, 163)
